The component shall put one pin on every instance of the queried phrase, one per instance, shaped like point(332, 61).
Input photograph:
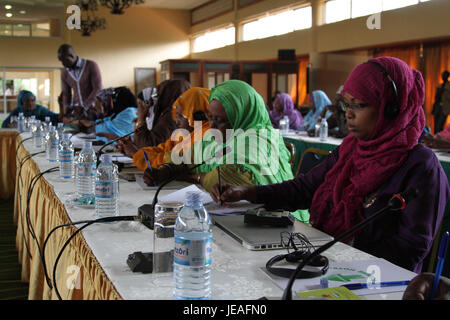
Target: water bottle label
point(65, 156)
point(193, 253)
point(54, 144)
point(104, 189)
point(87, 169)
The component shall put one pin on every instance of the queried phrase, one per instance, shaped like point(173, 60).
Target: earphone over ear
point(392, 108)
point(298, 256)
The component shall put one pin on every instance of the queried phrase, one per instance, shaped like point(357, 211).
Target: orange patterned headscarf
point(191, 101)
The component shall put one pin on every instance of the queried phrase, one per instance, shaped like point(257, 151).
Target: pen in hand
point(443, 247)
point(148, 165)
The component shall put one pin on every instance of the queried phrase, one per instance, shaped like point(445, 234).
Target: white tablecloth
point(236, 271)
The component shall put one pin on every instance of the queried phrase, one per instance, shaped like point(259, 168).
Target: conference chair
point(291, 147)
point(310, 158)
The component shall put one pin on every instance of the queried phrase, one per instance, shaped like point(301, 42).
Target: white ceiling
point(169, 4)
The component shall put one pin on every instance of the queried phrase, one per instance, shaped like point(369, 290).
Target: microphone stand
point(117, 139)
point(397, 202)
point(149, 213)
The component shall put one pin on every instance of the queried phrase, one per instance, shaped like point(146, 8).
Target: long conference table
point(93, 265)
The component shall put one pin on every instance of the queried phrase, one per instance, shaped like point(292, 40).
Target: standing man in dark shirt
point(81, 81)
point(441, 106)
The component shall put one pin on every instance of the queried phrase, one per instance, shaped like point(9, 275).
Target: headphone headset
point(298, 256)
point(392, 108)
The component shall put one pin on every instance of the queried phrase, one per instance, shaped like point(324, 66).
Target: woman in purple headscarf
point(284, 106)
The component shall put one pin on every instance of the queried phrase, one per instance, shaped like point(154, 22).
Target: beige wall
point(414, 23)
point(328, 44)
point(142, 37)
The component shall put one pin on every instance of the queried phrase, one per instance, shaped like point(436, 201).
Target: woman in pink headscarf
point(284, 106)
point(380, 157)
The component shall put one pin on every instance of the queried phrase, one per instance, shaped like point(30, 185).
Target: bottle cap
point(88, 145)
point(47, 119)
point(66, 136)
point(60, 124)
point(52, 128)
point(106, 158)
point(193, 197)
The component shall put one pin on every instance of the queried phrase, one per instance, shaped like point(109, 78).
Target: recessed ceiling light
point(9, 14)
point(8, 7)
point(22, 11)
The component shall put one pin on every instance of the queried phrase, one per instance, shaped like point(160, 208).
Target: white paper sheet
point(210, 205)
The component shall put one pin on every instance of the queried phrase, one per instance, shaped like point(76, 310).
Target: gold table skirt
point(8, 163)
point(79, 275)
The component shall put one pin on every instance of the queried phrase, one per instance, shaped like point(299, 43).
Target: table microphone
point(397, 202)
point(148, 211)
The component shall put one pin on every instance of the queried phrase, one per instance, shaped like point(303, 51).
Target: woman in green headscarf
point(240, 124)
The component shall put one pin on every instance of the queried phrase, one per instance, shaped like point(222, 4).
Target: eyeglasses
point(353, 106)
point(296, 241)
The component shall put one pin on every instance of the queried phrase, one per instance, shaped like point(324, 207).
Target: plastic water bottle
point(324, 130)
point(66, 157)
point(21, 122)
point(52, 145)
point(192, 256)
point(60, 129)
point(31, 124)
point(48, 122)
point(37, 134)
point(86, 172)
point(286, 124)
point(317, 129)
point(106, 188)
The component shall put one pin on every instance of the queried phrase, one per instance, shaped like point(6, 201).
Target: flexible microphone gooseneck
point(155, 198)
point(99, 152)
point(87, 223)
point(396, 203)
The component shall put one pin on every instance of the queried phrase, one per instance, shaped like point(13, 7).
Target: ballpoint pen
point(443, 247)
point(148, 165)
point(220, 185)
point(356, 286)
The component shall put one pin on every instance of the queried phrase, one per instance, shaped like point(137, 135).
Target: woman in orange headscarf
point(191, 106)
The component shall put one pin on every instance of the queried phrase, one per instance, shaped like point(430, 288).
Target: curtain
point(303, 96)
point(409, 54)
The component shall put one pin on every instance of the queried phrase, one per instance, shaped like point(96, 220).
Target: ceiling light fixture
point(8, 7)
point(9, 15)
point(117, 6)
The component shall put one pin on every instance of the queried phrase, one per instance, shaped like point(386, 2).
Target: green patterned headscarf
point(254, 143)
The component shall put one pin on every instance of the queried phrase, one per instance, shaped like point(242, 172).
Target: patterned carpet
point(11, 287)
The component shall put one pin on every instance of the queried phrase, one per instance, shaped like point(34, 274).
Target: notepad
point(339, 293)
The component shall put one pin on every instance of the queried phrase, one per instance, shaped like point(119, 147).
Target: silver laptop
point(265, 238)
